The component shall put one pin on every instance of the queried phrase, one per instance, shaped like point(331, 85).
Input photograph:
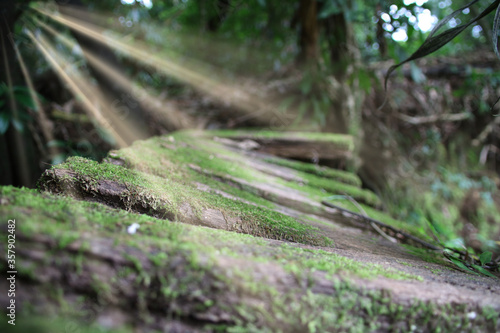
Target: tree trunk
point(344, 116)
point(338, 37)
point(221, 11)
point(307, 17)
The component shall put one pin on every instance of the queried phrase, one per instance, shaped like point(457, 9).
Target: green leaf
point(449, 17)
point(460, 264)
point(456, 243)
point(4, 122)
point(485, 257)
point(434, 42)
point(24, 97)
point(483, 271)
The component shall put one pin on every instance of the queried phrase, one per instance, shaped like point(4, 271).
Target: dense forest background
point(83, 77)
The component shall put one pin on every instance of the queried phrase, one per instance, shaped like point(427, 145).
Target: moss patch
point(69, 219)
point(338, 139)
point(169, 195)
point(158, 175)
point(298, 259)
point(324, 172)
point(328, 186)
point(348, 309)
point(29, 322)
point(159, 244)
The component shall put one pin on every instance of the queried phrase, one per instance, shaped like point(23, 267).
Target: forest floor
point(217, 231)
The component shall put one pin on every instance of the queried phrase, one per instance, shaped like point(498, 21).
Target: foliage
point(460, 210)
point(23, 97)
point(435, 41)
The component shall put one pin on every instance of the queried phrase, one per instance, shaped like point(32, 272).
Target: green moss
point(405, 263)
point(427, 255)
point(169, 159)
point(323, 172)
point(28, 322)
point(98, 221)
point(158, 174)
point(165, 176)
point(346, 307)
point(325, 186)
point(436, 271)
point(184, 152)
point(271, 224)
point(168, 194)
point(350, 309)
point(53, 215)
point(43, 213)
point(338, 139)
point(185, 149)
point(298, 259)
point(99, 171)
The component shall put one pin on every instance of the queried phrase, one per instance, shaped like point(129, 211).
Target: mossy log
point(190, 233)
point(297, 145)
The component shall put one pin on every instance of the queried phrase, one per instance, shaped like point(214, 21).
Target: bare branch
point(433, 118)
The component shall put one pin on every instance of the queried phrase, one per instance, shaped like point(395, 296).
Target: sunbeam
point(169, 117)
point(188, 71)
point(42, 118)
point(82, 90)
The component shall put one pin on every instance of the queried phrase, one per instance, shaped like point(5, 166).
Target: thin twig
point(484, 134)
point(381, 224)
point(374, 226)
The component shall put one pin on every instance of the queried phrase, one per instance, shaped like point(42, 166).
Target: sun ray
point(169, 116)
point(186, 70)
point(40, 113)
point(81, 89)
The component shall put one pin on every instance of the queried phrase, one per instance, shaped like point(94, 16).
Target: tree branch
point(484, 134)
point(433, 118)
